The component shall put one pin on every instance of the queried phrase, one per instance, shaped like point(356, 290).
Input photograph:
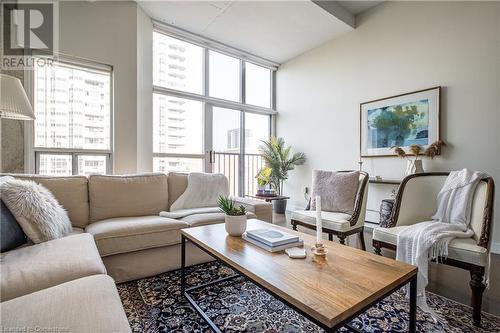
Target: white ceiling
point(274, 30)
point(356, 7)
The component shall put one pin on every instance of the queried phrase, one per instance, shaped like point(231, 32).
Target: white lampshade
point(14, 103)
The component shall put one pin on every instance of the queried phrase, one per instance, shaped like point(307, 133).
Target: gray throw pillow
point(337, 190)
point(36, 210)
point(11, 234)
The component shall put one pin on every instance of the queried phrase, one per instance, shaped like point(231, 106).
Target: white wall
point(106, 32)
point(144, 91)
point(398, 47)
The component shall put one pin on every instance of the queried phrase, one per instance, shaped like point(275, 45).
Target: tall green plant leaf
point(277, 157)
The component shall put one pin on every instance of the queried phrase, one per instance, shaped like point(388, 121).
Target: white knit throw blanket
point(429, 240)
point(201, 195)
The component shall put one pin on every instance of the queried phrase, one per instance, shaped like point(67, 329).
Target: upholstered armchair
point(416, 202)
point(335, 223)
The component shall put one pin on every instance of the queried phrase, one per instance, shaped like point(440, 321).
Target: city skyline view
point(73, 109)
point(178, 124)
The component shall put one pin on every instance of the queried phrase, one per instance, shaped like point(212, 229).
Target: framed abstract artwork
point(401, 120)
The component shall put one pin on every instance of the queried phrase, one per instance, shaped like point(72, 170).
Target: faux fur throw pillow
point(35, 209)
point(203, 190)
point(337, 190)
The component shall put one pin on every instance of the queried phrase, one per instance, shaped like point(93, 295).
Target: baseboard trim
point(495, 247)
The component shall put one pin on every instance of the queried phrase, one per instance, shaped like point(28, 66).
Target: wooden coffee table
point(329, 291)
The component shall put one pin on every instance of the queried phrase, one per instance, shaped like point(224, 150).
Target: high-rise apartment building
point(176, 68)
point(72, 107)
point(180, 125)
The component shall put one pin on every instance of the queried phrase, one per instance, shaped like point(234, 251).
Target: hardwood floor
point(444, 280)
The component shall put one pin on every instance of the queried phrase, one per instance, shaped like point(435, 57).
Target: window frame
point(208, 101)
point(32, 153)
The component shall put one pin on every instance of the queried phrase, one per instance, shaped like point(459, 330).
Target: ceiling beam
point(336, 10)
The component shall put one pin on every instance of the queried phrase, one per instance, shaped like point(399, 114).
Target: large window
point(72, 129)
point(177, 65)
point(258, 85)
point(211, 109)
point(224, 76)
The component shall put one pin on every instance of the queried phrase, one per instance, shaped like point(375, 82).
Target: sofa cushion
point(196, 220)
point(177, 184)
point(32, 268)
point(89, 304)
point(71, 192)
point(76, 231)
point(11, 233)
point(331, 220)
point(130, 195)
point(463, 249)
point(127, 234)
point(152, 262)
point(262, 209)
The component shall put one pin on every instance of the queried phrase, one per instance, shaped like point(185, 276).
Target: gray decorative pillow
point(35, 209)
point(11, 234)
point(337, 190)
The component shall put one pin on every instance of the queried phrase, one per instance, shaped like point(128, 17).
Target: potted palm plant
point(280, 160)
point(236, 218)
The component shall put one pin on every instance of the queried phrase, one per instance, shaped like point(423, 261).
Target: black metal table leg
point(413, 305)
point(183, 264)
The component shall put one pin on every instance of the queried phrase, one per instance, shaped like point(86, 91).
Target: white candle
point(319, 224)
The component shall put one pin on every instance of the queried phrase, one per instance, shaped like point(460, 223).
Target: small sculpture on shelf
point(415, 165)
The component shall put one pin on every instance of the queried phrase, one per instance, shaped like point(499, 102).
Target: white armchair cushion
point(463, 249)
point(331, 220)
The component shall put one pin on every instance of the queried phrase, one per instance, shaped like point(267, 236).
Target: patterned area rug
point(237, 305)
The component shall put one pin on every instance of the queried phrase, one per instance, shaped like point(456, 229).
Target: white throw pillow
point(36, 210)
point(203, 190)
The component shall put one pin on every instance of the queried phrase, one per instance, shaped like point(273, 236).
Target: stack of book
point(272, 240)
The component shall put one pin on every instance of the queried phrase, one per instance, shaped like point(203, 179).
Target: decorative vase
point(279, 206)
point(385, 212)
point(414, 166)
point(236, 225)
point(261, 189)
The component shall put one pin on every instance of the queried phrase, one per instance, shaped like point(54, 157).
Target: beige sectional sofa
point(59, 286)
point(117, 231)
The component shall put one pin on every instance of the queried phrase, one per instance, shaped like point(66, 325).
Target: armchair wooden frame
point(476, 272)
point(342, 235)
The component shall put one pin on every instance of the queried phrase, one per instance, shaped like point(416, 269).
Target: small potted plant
point(415, 165)
point(263, 180)
point(236, 217)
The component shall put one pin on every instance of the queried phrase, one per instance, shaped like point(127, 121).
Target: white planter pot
point(413, 167)
point(236, 225)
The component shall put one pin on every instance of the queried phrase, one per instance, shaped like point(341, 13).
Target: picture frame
point(400, 120)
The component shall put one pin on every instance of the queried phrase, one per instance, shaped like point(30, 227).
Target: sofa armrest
point(263, 210)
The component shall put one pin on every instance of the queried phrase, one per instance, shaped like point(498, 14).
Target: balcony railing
point(229, 165)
